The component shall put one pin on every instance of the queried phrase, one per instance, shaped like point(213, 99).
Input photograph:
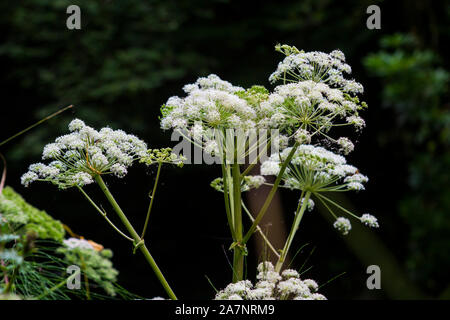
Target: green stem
point(298, 217)
point(103, 213)
point(11, 280)
point(271, 194)
point(151, 200)
point(266, 240)
point(135, 236)
point(238, 256)
point(227, 200)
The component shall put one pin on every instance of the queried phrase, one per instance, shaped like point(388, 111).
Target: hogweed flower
point(315, 95)
point(317, 66)
point(272, 285)
point(316, 170)
point(79, 156)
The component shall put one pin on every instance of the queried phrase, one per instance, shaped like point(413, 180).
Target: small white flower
point(81, 179)
point(270, 168)
point(355, 186)
point(343, 225)
point(302, 136)
point(51, 151)
point(310, 205)
point(290, 273)
point(119, 170)
point(265, 266)
point(318, 296)
point(74, 243)
point(76, 125)
point(346, 145)
point(28, 178)
point(358, 122)
point(369, 220)
point(312, 285)
point(254, 181)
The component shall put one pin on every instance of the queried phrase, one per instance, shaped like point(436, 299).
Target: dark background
point(131, 56)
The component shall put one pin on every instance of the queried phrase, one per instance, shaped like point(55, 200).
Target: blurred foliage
point(23, 217)
point(34, 271)
point(415, 86)
point(128, 54)
point(94, 264)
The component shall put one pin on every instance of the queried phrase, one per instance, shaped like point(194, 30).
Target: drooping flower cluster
point(271, 285)
point(79, 156)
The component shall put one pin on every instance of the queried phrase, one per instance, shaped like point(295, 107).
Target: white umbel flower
point(343, 225)
point(271, 285)
point(369, 220)
point(85, 153)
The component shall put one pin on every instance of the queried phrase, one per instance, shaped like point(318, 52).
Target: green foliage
point(23, 216)
point(94, 264)
point(415, 86)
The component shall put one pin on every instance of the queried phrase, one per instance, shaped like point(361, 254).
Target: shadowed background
point(131, 56)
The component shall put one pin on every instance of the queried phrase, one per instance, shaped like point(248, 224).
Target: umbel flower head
point(76, 158)
point(315, 96)
point(317, 66)
point(213, 106)
point(317, 170)
point(271, 285)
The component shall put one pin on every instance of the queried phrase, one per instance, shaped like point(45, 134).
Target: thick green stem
point(227, 200)
point(303, 203)
point(238, 256)
point(135, 236)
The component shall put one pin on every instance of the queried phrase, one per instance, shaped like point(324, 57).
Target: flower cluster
point(317, 66)
point(210, 103)
point(318, 99)
point(271, 285)
point(94, 260)
point(79, 156)
point(164, 155)
point(73, 243)
point(315, 169)
point(248, 183)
